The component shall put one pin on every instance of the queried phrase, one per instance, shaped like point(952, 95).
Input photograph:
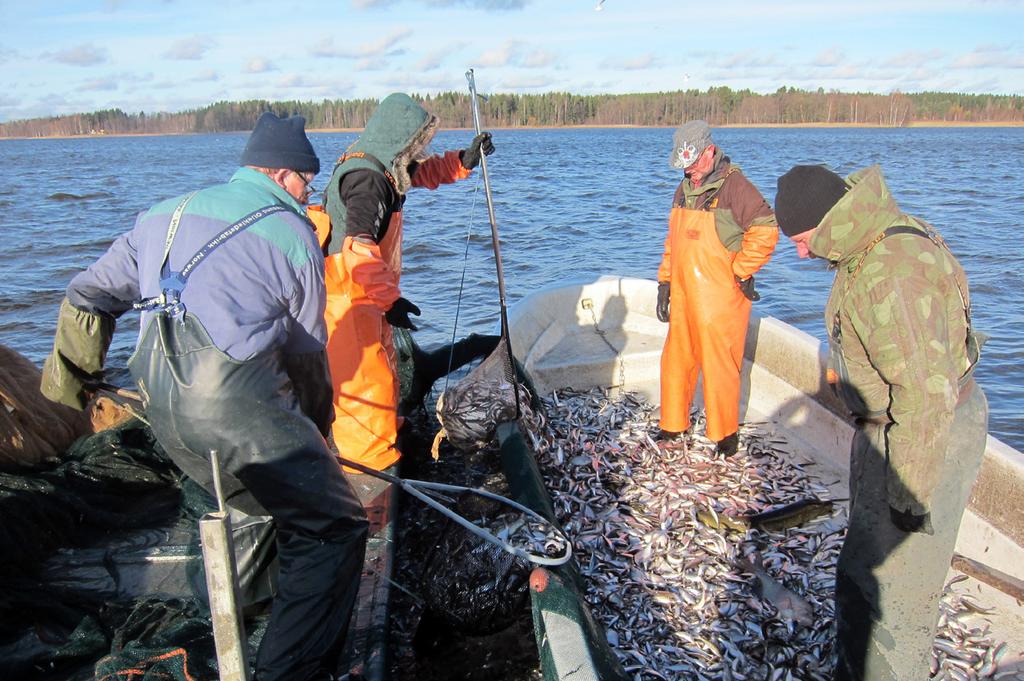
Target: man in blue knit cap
point(231, 359)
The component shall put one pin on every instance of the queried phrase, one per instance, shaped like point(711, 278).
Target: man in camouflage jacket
point(902, 353)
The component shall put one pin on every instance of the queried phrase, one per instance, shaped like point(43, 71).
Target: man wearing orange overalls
point(720, 232)
point(364, 200)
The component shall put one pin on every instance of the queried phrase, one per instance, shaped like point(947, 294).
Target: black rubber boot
point(728, 446)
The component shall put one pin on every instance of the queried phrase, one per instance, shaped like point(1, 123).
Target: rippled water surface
point(569, 204)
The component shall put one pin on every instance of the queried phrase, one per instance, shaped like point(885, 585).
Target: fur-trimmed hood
point(396, 134)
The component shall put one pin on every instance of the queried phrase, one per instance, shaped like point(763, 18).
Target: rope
point(422, 489)
point(462, 284)
point(602, 335)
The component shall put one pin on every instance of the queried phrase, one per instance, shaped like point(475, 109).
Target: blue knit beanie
point(280, 143)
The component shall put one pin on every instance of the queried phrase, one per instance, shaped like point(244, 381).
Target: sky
point(69, 56)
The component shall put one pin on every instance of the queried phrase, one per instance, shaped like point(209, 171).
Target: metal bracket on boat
point(222, 587)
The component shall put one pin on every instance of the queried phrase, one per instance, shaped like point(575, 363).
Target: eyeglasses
point(307, 188)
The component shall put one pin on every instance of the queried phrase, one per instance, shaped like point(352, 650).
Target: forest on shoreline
point(719, 106)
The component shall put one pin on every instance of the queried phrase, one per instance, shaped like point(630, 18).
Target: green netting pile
point(106, 485)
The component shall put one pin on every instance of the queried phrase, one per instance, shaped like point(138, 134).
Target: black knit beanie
point(280, 143)
point(805, 194)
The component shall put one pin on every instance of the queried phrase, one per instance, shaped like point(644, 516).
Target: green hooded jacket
point(396, 135)
point(898, 319)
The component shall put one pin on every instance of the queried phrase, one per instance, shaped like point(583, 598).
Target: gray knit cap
point(692, 138)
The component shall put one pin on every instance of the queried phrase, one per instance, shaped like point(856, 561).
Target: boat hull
point(604, 332)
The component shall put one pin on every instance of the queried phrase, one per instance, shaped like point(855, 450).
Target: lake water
point(569, 204)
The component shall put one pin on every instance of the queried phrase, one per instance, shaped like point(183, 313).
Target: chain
point(588, 304)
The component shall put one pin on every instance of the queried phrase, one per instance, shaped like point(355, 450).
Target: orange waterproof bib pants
point(360, 350)
point(708, 316)
point(362, 283)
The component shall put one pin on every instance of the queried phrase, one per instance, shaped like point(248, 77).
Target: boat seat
point(580, 357)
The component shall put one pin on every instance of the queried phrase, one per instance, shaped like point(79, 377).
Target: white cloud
point(98, 84)
point(259, 65)
point(525, 82)
point(206, 76)
point(292, 80)
point(503, 55)
point(383, 46)
point(829, 57)
point(501, 5)
point(189, 48)
point(539, 58)
point(370, 64)
point(848, 72)
point(747, 59)
point(989, 56)
point(913, 58)
point(82, 55)
point(418, 82)
point(644, 61)
point(435, 58)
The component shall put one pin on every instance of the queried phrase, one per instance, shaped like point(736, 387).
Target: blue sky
point(66, 56)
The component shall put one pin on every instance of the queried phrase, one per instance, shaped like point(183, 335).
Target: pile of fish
point(704, 567)
point(527, 534)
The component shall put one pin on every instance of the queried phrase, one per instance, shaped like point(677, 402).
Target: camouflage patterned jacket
point(898, 320)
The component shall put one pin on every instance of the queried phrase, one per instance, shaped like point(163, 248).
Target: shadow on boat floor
point(430, 646)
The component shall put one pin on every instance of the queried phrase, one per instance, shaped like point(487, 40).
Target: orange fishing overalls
point(708, 316)
point(362, 283)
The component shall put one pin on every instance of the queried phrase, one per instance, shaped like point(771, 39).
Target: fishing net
point(419, 369)
point(72, 608)
point(161, 640)
point(470, 583)
point(470, 410)
point(70, 540)
point(117, 479)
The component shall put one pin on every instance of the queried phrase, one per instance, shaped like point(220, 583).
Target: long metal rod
point(513, 374)
point(490, 206)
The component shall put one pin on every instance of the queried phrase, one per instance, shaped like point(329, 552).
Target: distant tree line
point(718, 106)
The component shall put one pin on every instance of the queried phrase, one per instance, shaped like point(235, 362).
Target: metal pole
point(512, 374)
point(222, 586)
point(490, 207)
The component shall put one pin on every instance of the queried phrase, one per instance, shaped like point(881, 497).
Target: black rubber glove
point(663, 296)
point(747, 288)
point(398, 314)
point(470, 156)
point(909, 522)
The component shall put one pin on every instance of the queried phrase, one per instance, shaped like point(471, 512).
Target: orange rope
point(139, 670)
